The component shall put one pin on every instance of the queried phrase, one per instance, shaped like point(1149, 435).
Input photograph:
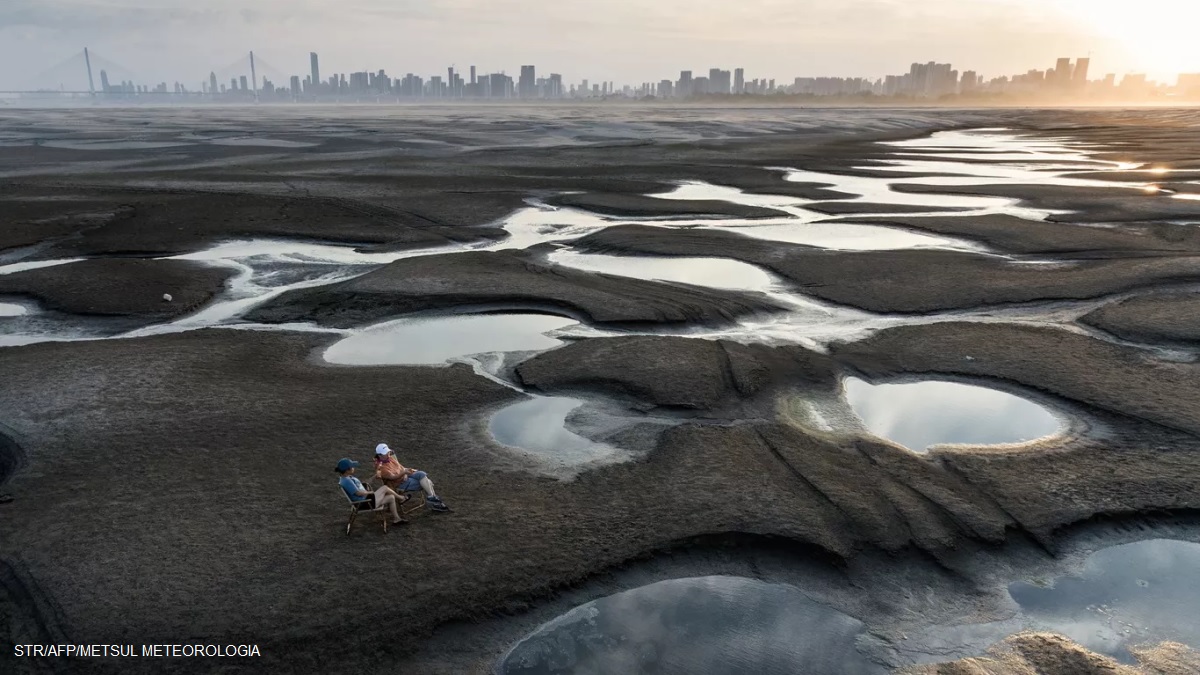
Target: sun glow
point(1158, 36)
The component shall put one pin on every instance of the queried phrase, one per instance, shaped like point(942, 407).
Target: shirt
point(389, 468)
point(352, 485)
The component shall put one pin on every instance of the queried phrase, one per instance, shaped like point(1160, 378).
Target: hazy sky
point(624, 40)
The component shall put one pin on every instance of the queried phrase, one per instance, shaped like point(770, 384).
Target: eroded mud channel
point(834, 409)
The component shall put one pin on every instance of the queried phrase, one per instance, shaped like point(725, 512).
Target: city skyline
point(1068, 80)
point(613, 40)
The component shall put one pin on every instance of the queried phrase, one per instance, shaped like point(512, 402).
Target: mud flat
point(898, 281)
point(1078, 204)
point(638, 206)
point(1120, 379)
point(1020, 235)
point(1152, 318)
point(721, 465)
point(646, 369)
point(505, 278)
point(120, 287)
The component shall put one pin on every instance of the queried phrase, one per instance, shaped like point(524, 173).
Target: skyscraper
point(212, 82)
point(685, 85)
point(527, 85)
point(739, 81)
point(1062, 72)
point(1080, 78)
point(719, 81)
point(245, 86)
point(316, 72)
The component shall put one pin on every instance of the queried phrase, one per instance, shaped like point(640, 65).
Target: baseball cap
point(345, 464)
point(382, 449)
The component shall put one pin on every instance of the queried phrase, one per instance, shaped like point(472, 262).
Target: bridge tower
point(91, 83)
point(253, 78)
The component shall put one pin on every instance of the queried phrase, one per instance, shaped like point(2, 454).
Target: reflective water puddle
point(437, 340)
point(25, 266)
point(1147, 592)
point(919, 415)
point(696, 190)
point(251, 141)
point(538, 426)
point(9, 309)
point(852, 237)
point(698, 626)
point(112, 145)
point(712, 272)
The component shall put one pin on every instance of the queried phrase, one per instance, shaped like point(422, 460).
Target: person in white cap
point(394, 475)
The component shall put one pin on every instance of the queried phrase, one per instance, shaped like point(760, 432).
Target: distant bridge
point(86, 73)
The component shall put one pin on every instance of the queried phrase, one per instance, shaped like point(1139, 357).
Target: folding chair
point(415, 502)
point(360, 506)
point(415, 497)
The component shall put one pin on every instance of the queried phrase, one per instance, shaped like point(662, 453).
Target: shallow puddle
point(712, 272)
point(437, 340)
point(112, 145)
point(251, 141)
point(1146, 592)
point(695, 190)
point(538, 426)
point(698, 626)
point(26, 266)
point(879, 191)
point(9, 309)
point(919, 415)
point(539, 224)
point(852, 237)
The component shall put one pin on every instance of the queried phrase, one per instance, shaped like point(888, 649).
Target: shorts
point(367, 504)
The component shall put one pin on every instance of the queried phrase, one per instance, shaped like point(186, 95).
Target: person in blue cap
point(384, 496)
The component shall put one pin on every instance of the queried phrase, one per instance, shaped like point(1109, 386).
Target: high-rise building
point(316, 71)
point(245, 86)
point(685, 86)
point(970, 82)
point(1080, 78)
point(295, 88)
point(527, 85)
point(233, 84)
point(739, 81)
point(719, 81)
point(212, 82)
point(1062, 72)
point(103, 80)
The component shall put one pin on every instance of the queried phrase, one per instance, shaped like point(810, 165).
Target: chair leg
point(350, 523)
point(383, 519)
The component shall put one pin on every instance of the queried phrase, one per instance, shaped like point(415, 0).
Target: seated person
point(393, 474)
point(359, 494)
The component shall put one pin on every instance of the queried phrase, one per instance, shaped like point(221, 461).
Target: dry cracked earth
point(169, 461)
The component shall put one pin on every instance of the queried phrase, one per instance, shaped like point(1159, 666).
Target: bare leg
point(384, 496)
point(427, 486)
